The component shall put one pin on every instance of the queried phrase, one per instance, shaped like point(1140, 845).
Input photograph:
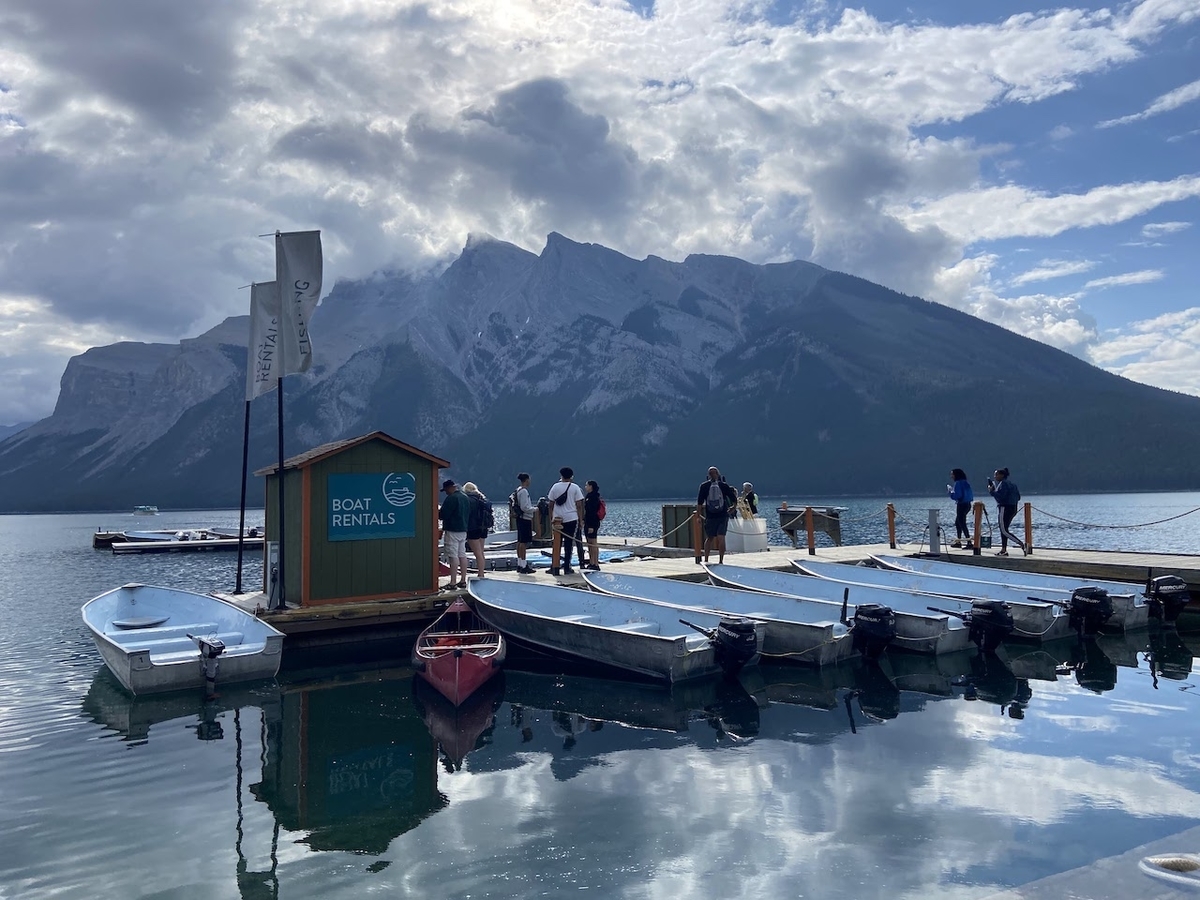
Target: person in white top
point(525, 509)
point(566, 498)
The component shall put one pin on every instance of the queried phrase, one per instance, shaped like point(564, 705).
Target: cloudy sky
point(1037, 167)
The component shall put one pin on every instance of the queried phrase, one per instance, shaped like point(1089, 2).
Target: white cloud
point(1145, 276)
point(1053, 268)
point(1167, 102)
point(1155, 230)
point(140, 157)
point(1161, 351)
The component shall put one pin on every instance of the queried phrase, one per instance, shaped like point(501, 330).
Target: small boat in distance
point(458, 653)
point(145, 510)
point(164, 639)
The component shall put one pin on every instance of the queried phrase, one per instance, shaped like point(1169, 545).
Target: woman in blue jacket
point(962, 495)
point(1007, 497)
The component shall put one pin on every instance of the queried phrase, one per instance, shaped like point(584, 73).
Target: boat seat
point(144, 635)
point(193, 654)
point(450, 648)
point(179, 644)
point(640, 627)
point(580, 618)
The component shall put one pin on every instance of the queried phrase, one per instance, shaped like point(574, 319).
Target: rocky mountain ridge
point(638, 373)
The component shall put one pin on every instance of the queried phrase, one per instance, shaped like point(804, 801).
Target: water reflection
point(353, 759)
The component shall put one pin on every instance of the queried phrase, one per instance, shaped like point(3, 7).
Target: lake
point(959, 777)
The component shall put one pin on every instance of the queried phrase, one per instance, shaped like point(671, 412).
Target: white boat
point(149, 535)
point(642, 638)
point(1029, 609)
point(918, 629)
point(151, 639)
point(253, 531)
point(1129, 609)
point(795, 630)
point(145, 510)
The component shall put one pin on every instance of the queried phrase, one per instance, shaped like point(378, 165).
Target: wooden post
point(808, 526)
point(1029, 528)
point(978, 526)
point(891, 513)
point(697, 535)
point(555, 550)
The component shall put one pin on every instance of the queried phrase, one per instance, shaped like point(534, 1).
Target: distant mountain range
point(639, 374)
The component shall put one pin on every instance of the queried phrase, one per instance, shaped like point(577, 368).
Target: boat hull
point(917, 629)
point(457, 654)
point(161, 657)
point(636, 637)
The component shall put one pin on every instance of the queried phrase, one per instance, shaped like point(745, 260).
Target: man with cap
point(454, 513)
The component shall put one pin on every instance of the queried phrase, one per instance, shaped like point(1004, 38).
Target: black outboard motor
point(1166, 596)
point(989, 623)
point(1088, 609)
point(210, 649)
point(735, 643)
point(874, 627)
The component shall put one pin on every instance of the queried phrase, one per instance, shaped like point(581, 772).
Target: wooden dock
point(339, 623)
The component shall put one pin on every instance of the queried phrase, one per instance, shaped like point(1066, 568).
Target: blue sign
point(372, 507)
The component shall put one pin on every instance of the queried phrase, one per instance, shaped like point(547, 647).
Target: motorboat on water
point(918, 628)
point(458, 652)
point(640, 637)
point(794, 630)
point(145, 510)
point(1034, 617)
point(1164, 597)
point(163, 639)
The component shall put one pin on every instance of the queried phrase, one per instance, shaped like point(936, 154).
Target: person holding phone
point(962, 495)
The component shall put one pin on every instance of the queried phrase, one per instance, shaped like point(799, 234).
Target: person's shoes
point(592, 567)
point(956, 543)
point(462, 584)
point(568, 571)
point(1026, 551)
point(480, 575)
point(1002, 553)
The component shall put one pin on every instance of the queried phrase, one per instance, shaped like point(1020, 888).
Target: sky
point(1036, 167)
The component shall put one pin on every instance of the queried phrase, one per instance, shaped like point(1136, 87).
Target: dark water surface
point(846, 783)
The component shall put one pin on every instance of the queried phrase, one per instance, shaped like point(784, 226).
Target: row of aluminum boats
point(819, 614)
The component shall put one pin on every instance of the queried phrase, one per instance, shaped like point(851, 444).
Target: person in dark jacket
point(714, 501)
point(750, 497)
point(591, 524)
point(1007, 497)
point(477, 525)
point(962, 495)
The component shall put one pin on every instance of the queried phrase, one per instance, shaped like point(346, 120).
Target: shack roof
point(316, 454)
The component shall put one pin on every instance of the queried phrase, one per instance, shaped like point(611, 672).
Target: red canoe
point(458, 652)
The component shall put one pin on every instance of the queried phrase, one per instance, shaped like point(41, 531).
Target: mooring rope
point(1092, 525)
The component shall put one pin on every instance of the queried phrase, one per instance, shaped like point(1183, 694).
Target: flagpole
point(242, 517)
point(280, 602)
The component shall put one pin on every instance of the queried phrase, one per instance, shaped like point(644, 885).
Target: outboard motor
point(988, 623)
point(873, 628)
point(1089, 608)
point(1166, 596)
point(735, 643)
point(210, 649)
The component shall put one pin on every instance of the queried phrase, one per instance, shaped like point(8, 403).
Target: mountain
point(6, 430)
point(639, 374)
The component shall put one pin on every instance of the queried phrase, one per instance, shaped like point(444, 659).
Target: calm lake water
point(329, 782)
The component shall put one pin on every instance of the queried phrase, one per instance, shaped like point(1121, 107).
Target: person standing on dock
point(962, 495)
point(566, 501)
point(523, 508)
point(593, 515)
point(750, 498)
point(454, 513)
point(713, 503)
point(479, 523)
point(1007, 497)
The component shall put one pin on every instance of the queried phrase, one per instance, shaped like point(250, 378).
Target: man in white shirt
point(566, 504)
point(524, 510)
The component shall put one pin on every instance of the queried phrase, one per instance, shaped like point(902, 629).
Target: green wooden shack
point(361, 521)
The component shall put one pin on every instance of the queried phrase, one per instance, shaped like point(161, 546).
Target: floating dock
point(336, 623)
point(197, 546)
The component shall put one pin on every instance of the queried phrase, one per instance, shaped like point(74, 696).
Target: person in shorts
point(477, 525)
point(454, 512)
point(713, 503)
point(525, 510)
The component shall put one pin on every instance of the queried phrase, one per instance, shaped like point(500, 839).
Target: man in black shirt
point(713, 503)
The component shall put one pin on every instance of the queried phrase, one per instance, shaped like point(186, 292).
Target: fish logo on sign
point(399, 488)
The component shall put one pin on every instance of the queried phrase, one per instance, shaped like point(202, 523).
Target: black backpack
point(514, 508)
point(489, 518)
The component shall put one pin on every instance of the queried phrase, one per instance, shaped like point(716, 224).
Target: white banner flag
point(298, 274)
point(262, 361)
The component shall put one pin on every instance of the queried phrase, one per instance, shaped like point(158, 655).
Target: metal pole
point(281, 601)
point(242, 516)
point(935, 536)
point(808, 526)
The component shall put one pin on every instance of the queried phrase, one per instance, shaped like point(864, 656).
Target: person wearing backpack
point(479, 522)
point(1007, 497)
point(566, 499)
point(521, 508)
point(593, 514)
point(713, 503)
